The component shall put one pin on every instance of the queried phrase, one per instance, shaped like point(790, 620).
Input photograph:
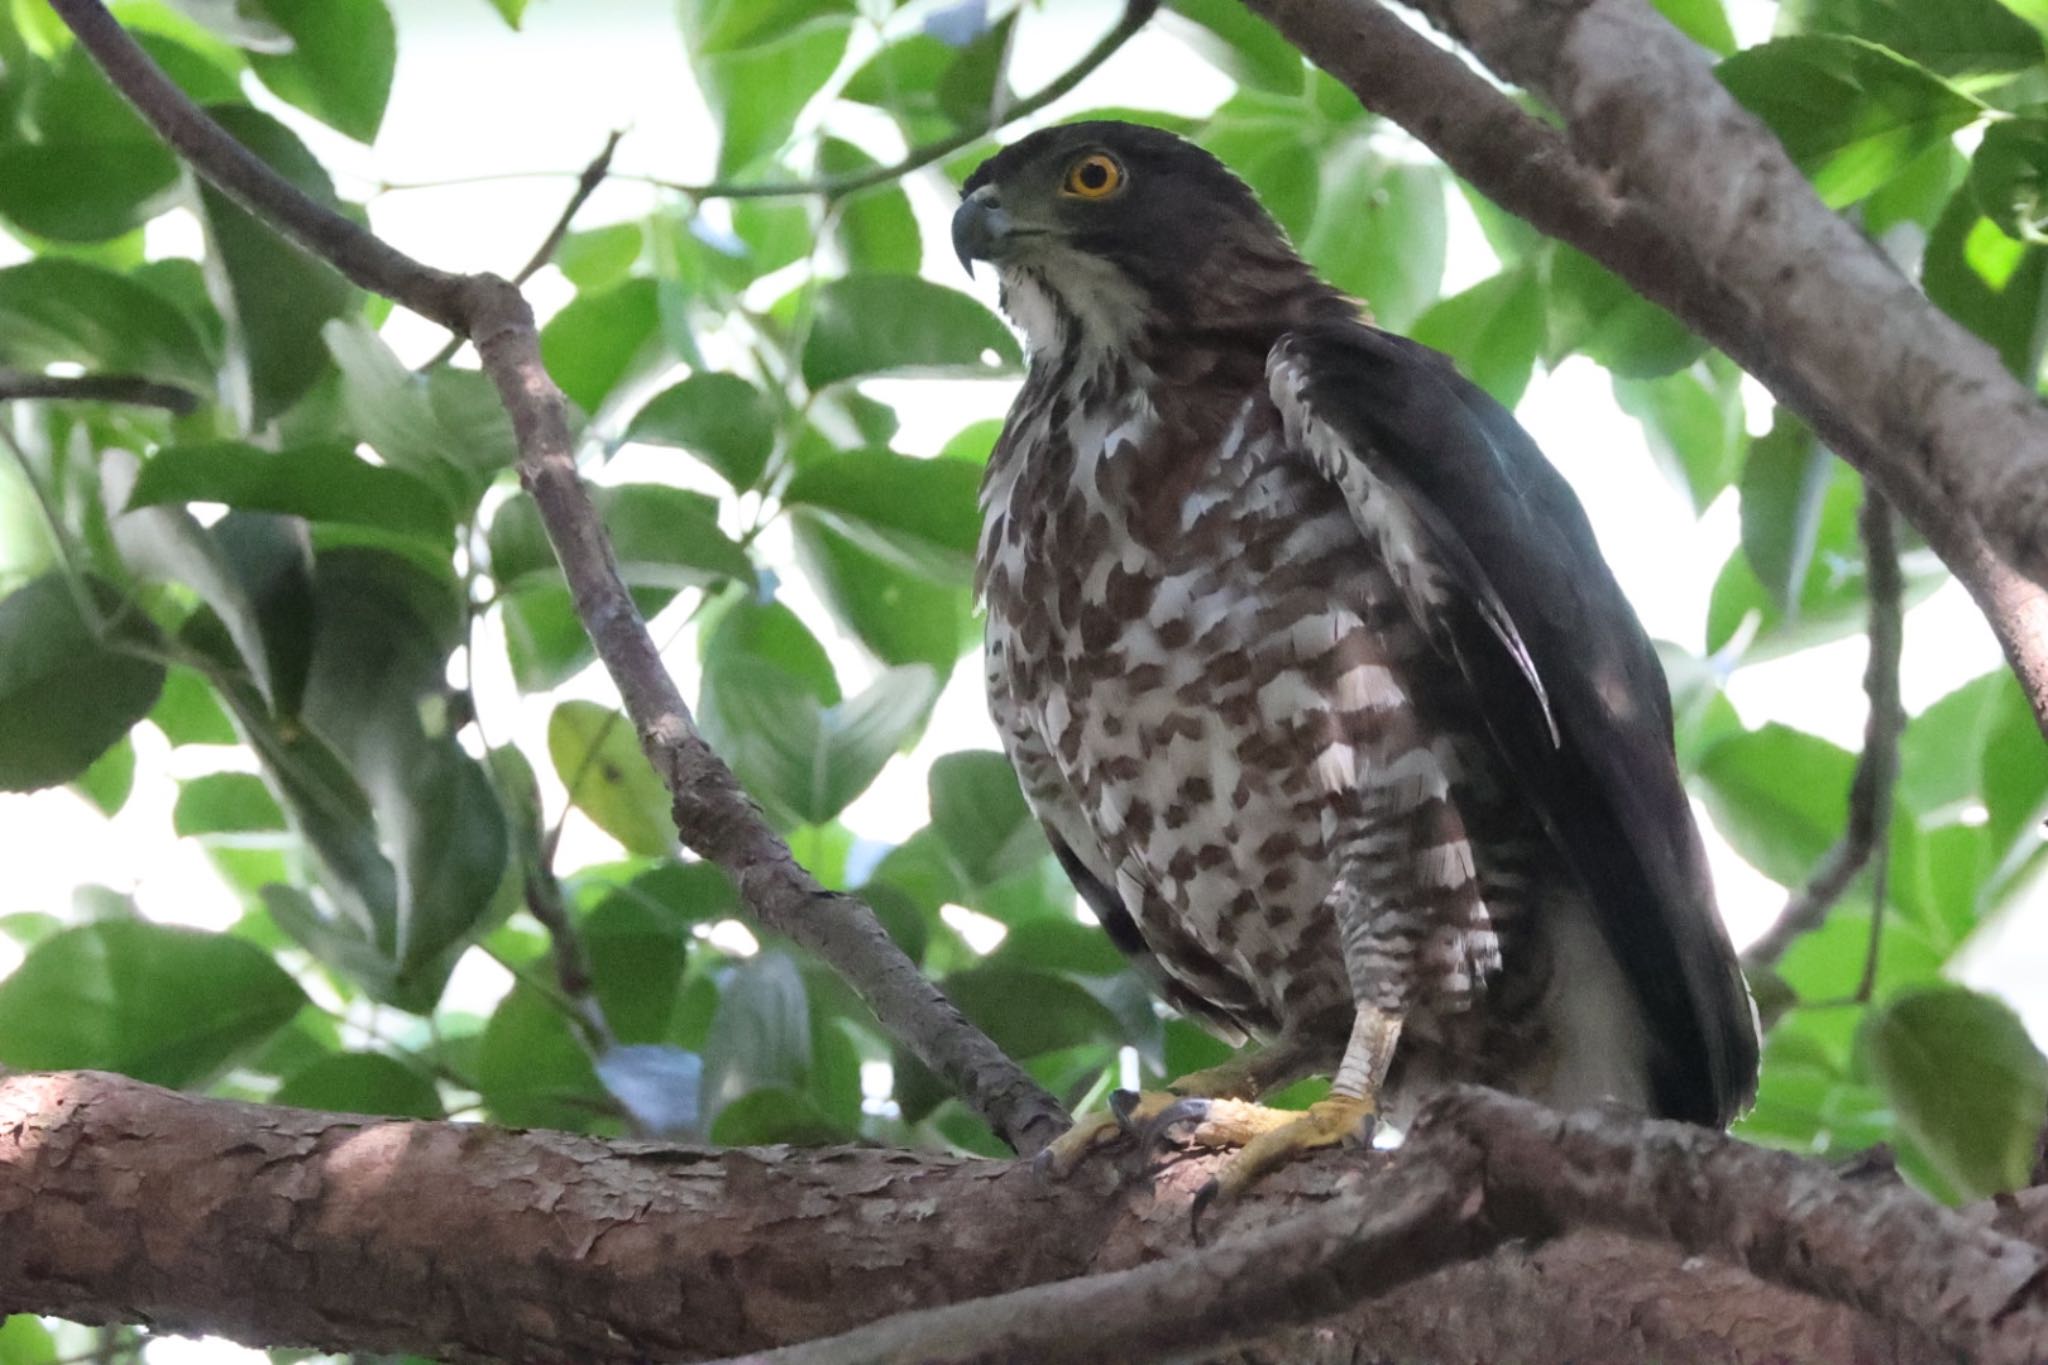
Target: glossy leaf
point(979, 812)
point(901, 617)
point(1494, 331)
point(1849, 112)
point(169, 1006)
point(1693, 422)
point(802, 760)
point(776, 1114)
point(761, 1034)
point(601, 339)
point(596, 753)
point(340, 64)
point(1785, 485)
point(1380, 234)
point(1955, 38)
point(68, 692)
point(772, 632)
point(1992, 284)
point(759, 89)
point(110, 779)
point(1594, 313)
point(362, 1083)
point(319, 483)
point(1239, 44)
point(1780, 796)
point(1703, 21)
point(532, 1069)
point(918, 515)
point(720, 418)
point(57, 311)
point(1966, 1081)
point(879, 324)
point(277, 299)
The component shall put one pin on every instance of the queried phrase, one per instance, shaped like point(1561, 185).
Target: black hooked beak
point(980, 227)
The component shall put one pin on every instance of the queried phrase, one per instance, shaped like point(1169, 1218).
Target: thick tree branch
point(714, 816)
point(1864, 841)
point(97, 388)
point(1676, 189)
point(122, 1202)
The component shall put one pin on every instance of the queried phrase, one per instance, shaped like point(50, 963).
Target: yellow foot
point(1130, 1112)
point(1273, 1137)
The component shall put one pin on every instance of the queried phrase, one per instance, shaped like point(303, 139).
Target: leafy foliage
point(294, 586)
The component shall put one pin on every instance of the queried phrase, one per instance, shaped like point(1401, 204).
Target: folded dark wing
point(1570, 687)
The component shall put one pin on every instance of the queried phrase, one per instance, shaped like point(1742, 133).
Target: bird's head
point(1110, 231)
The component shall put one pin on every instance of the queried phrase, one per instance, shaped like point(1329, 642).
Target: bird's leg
point(1379, 943)
point(1226, 1089)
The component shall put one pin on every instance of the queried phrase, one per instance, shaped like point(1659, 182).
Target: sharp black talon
point(1159, 1130)
point(1203, 1198)
point(1121, 1103)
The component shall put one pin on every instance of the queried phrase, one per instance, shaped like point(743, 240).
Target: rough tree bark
point(121, 1202)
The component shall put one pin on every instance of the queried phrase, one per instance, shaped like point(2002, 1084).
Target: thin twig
point(1865, 840)
point(98, 388)
point(714, 816)
point(586, 185)
point(1877, 771)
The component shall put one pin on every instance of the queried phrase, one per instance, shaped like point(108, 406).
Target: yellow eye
point(1095, 176)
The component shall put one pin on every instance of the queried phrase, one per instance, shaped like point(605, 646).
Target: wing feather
point(1497, 561)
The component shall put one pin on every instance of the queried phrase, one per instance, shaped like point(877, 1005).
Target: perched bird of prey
point(1308, 662)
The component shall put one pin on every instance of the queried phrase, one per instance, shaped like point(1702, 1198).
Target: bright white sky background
point(473, 98)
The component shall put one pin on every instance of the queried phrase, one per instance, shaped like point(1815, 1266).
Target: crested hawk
point(1308, 663)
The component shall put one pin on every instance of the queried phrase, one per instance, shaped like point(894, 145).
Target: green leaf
point(1780, 796)
point(189, 713)
point(66, 694)
point(771, 631)
point(25, 1341)
point(110, 779)
point(1967, 1083)
point(979, 812)
point(598, 258)
point(887, 324)
point(511, 10)
point(1239, 44)
point(275, 298)
point(339, 68)
point(757, 91)
point(1494, 331)
point(56, 311)
point(1693, 422)
point(596, 752)
point(918, 515)
point(1059, 945)
point(723, 25)
point(1593, 312)
point(169, 1006)
point(225, 803)
point(601, 339)
point(448, 428)
point(901, 618)
point(776, 1114)
point(251, 569)
point(2009, 177)
point(1262, 140)
point(637, 951)
point(1955, 38)
point(1029, 1012)
point(362, 1083)
point(1380, 232)
point(1703, 21)
point(664, 538)
point(1993, 285)
point(804, 761)
point(1850, 113)
point(532, 1070)
point(1785, 485)
point(761, 1034)
point(319, 483)
point(874, 228)
point(720, 418)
